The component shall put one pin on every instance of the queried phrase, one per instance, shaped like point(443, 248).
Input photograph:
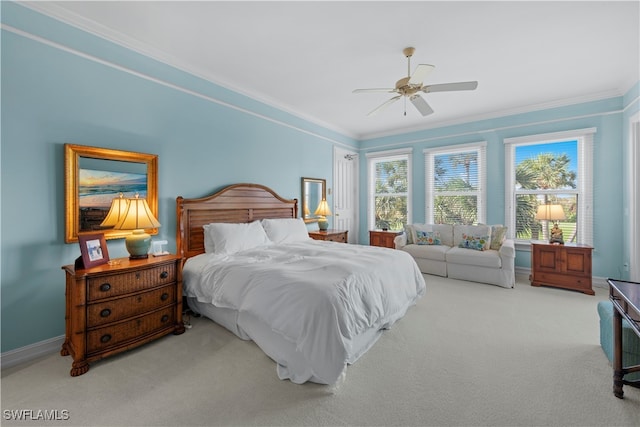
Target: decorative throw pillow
point(428, 238)
point(408, 231)
point(498, 234)
point(473, 242)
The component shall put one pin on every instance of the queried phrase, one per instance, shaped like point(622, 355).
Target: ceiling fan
point(411, 86)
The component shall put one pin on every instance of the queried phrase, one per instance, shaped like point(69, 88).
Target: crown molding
point(96, 29)
point(497, 114)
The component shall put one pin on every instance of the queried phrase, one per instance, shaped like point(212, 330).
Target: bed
point(312, 306)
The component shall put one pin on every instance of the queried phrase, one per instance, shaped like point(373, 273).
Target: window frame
point(382, 156)
point(584, 179)
point(429, 165)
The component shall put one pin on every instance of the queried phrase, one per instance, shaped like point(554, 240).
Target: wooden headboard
point(236, 203)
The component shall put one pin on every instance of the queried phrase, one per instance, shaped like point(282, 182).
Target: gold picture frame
point(80, 219)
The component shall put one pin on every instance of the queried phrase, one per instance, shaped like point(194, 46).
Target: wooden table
point(625, 297)
point(383, 238)
point(565, 266)
point(330, 235)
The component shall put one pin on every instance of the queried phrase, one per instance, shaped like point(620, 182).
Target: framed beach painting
point(94, 177)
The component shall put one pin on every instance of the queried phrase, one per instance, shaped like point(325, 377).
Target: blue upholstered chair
point(630, 341)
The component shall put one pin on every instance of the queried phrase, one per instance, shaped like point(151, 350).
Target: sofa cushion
point(432, 252)
point(498, 235)
point(445, 230)
point(488, 258)
point(461, 233)
point(408, 231)
point(428, 238)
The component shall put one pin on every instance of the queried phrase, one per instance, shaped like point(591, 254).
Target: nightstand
point(383, 238)
point(330, 235)
point(565, 266)
point(114, 308)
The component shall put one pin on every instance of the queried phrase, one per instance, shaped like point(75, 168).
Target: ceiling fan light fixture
point(412, 84)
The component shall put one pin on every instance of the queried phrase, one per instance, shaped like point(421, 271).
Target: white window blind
point(455, 184)
point(552, 168)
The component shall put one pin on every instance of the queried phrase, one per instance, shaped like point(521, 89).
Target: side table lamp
point(552, 213)
point(137, 217)
point(323, 211)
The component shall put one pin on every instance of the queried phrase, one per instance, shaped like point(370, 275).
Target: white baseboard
point(32, 351)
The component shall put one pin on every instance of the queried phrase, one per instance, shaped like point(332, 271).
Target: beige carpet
point(467, 354)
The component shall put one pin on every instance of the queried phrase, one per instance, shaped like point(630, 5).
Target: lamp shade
point(116, 212)
point(137, 217)
point(550, 213)
point(323, 208)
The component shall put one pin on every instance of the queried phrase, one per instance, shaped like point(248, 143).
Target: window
point(554, 169)
point(389, 189)
point(455, 184)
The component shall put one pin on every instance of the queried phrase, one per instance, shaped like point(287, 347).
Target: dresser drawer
point(117, 309)
point(340, 238)
point(123, 283)
point(564, 280)
point(110, 336)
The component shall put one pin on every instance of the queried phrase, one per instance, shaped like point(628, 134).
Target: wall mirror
point(313, 191)
point(94, 177)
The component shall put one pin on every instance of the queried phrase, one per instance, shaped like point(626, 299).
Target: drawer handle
point(164, 296)
point(164, 275)
point(105, 313)
point(164, 318)
point(105, 287)
point(105, 338)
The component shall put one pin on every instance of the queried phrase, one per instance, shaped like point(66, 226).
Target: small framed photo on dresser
point(93, 250)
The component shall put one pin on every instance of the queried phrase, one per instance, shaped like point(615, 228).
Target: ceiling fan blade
point(445, 87)
point(420, 73)
point(385, 105)
point(375, 90)
point(421, 105)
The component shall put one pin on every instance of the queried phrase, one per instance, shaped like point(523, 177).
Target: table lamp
point(137, 217)
point(323, 211)
point(552, 213)
point(116, 212)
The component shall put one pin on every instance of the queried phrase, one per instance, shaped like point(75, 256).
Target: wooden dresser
point(382, 238)
point(565, 266)
point(113, 308)
point(331, 235)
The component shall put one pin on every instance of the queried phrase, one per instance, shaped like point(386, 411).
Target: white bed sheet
point(327, 300)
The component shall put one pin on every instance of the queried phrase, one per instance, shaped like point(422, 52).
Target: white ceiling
point(307, 57)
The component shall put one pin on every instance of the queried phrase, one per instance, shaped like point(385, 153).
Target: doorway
point(345, 191)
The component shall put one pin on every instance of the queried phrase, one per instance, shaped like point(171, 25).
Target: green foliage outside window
point(391, 194)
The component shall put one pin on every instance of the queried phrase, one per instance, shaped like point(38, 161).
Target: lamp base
point(556, 235)
point(138, 244)
point(323, 224)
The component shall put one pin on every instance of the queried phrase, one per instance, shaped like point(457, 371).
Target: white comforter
point(318, 295)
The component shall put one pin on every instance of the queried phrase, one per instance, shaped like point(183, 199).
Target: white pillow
point(229, 238)
point(285, 230)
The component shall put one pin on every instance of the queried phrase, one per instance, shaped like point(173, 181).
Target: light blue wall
point(62, 85)
point(51, 96)
point(605, 115)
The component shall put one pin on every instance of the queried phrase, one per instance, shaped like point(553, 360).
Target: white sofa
point(436, 249)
